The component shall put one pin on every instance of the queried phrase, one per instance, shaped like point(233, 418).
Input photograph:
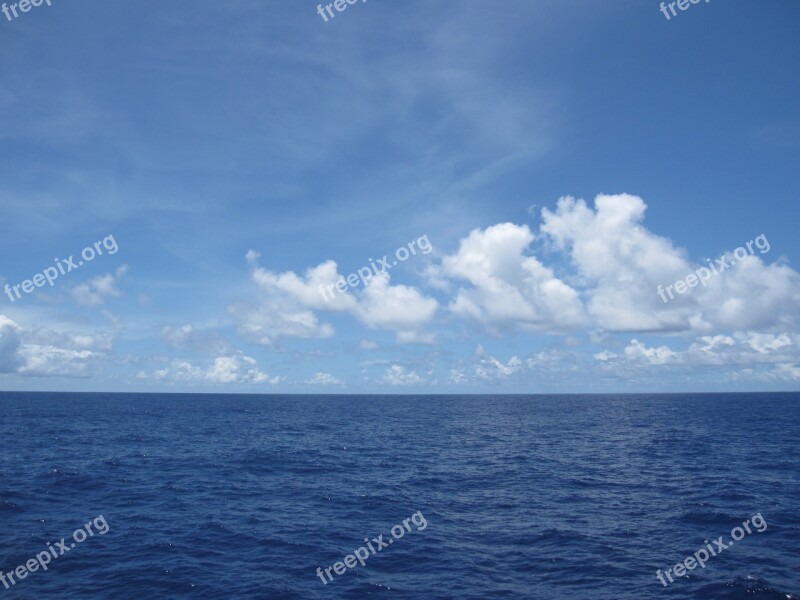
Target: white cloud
point(508, 289)
point(285, 307)
point(489, 367)
point(44, 352)
point(397, 375)
point(94, 291)
point(745, 347)
point(621, 264)
point(277, 318)
point(398, 308)
point(740, 348)
point(457, 376)
point(607, 285)
point(321, 378)
point(604, 355)
point(311, 290)
point(764, 343)
point(234, 368)
point(663, 355)
point(288, 302)
point(51, 361)
point(237, 369)
point(787, 372)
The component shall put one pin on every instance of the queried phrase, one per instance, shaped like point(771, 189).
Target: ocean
point(544, 497)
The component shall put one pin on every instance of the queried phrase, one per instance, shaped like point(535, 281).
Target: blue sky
point(563, 159)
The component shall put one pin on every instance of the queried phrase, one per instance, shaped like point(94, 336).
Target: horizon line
point(399, 394)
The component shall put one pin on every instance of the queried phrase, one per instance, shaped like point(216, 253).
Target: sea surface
point(233, 496)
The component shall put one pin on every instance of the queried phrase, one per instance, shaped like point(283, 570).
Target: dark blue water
point(524, 497)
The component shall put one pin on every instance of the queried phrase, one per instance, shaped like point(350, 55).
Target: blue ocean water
point(545, 497)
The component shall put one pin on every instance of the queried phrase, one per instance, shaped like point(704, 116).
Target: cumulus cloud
point(636, 351)
point(615, 266)
point(234, 368)
point(745, 348)
point(621, 264)
point(599, 274)
point(288, 303)
point(304, 289)
point(51, 361)
point(44, 352)
point(489, 367)
point(503, 288)
point(321, 378)
point(398, 308)
point(397, 375)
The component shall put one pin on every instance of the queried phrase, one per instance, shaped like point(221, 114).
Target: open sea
point(233, 496)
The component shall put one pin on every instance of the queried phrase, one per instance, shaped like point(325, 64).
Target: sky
point(518, 184)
